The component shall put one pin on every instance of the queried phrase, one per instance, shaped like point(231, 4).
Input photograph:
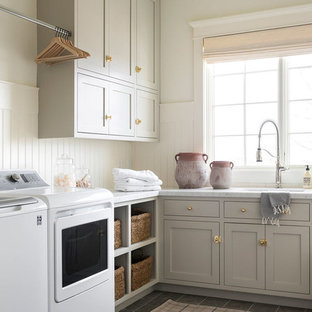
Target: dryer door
point(82, 252)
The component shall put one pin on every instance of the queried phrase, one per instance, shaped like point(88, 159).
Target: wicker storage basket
point(141, 273)
point(119, 282)
point(140, 226)
point(117, 233)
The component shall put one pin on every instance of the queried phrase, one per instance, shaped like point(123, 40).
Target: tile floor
point(157, 298)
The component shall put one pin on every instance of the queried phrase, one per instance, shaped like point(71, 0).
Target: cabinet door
point(147, 43)
point(287, 259)
point(147, 115)
point(90, 34)
point(244, 257)
point(120, 39)
point(190, 251)
point(92, 105)
point(121, 110)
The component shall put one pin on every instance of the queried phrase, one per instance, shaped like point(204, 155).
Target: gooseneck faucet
point(279, 168)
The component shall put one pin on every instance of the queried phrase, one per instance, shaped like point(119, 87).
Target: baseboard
point(190, 290)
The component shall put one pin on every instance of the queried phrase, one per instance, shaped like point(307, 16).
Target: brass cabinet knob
point(138, 121)
point(138, 69)
point(263, 242)
point(217, 239)
point(108, 58)
point(108, 117)
point(190, 208)
point(243, 210)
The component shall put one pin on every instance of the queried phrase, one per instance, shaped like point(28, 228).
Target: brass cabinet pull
point(138, 121)
point(138, 69)
point(243, 210)
point(190, 208)
point(263, 242)
point(108, 58)
point(108, 117)
point(217, 239)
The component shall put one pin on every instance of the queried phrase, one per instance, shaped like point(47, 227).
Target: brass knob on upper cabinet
point(138, 69)
point(138, 121)
point(217, 239)
point(190, 208)
point(243, 210)
point(108, 58)
point(108, 117)
point(263, 242)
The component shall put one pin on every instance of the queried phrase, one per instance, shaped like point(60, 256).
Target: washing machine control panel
point(21, 179)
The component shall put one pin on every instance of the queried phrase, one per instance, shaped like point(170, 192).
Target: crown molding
point(261, 20)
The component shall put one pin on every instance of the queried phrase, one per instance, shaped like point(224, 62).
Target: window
point(242, 95)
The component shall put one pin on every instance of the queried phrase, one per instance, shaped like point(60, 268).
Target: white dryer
point(80, 244)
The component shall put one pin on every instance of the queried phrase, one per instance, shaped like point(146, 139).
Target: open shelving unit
point(149, 246)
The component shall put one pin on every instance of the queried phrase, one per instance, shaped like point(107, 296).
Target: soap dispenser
point(307, 179)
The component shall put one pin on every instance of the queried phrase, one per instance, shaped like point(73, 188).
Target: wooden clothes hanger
point(60, 50)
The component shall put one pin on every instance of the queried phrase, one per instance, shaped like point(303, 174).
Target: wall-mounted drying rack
point(64, 32)
point(60, 48)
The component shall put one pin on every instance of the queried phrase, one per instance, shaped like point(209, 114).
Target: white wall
point(19, 144)
point(177, 127)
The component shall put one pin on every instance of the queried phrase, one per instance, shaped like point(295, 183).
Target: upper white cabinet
point(99, 97)
point(147, 115)
point(147, 53)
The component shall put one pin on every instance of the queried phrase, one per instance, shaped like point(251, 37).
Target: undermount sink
point(272, 189)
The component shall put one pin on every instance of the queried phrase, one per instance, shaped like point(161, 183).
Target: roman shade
point(259, 44)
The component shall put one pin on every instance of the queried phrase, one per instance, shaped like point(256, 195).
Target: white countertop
point(120, 197)
point(209, 192)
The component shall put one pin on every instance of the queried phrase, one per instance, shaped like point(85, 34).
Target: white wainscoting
point(20, 147)
point(176, 135)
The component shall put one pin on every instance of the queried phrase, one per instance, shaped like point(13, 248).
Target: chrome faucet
point(279, 168)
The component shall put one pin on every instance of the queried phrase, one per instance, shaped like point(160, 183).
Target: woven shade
point(259, 44)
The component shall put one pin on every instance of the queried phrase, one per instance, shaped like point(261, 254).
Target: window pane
point(300, 149)
point(229, 89)
point(268, 142)
point(261, 87)
point(230, 148)
point(229, 120)
point(262, 64)
point(299, 60)
point(300, 116)
point(228, 68)
point(256, 114)
point(300, 84)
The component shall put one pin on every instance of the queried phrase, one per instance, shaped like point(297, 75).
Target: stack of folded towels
point(127, 180)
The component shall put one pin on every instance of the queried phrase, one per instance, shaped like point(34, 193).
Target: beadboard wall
point(20, 147)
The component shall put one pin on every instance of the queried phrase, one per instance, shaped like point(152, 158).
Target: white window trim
point(269, 19)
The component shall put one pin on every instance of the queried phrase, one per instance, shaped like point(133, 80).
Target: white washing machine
point(80, 243)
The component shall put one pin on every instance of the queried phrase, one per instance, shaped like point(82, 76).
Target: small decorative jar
point(191, 171)
point(221, 174)
point(83, 178)
point(65, 172)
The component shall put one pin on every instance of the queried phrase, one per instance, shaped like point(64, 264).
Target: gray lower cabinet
point(287, 259)
point(244, 256)
point(267, 257)
point(190, 251)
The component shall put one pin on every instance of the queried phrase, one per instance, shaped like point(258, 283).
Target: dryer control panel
point(20, 179)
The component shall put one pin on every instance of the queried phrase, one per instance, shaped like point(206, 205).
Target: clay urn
point(192, 170)
point(221, 174)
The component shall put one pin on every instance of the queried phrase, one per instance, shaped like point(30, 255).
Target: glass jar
point(83, 178)
point(65, 172)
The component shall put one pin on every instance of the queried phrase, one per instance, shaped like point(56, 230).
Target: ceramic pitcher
point(221, 174)
point(191, 170)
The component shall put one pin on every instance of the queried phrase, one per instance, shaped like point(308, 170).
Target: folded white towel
point(136, 188)
point(131, 181)
point(144, 175)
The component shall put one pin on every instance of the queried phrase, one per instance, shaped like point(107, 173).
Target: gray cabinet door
point(190, 251)
point(244, 256)
point(287, 259)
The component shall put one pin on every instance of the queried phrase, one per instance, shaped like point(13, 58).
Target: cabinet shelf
point(149, 246)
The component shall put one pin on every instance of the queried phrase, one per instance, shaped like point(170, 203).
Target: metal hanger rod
point(36, 21)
